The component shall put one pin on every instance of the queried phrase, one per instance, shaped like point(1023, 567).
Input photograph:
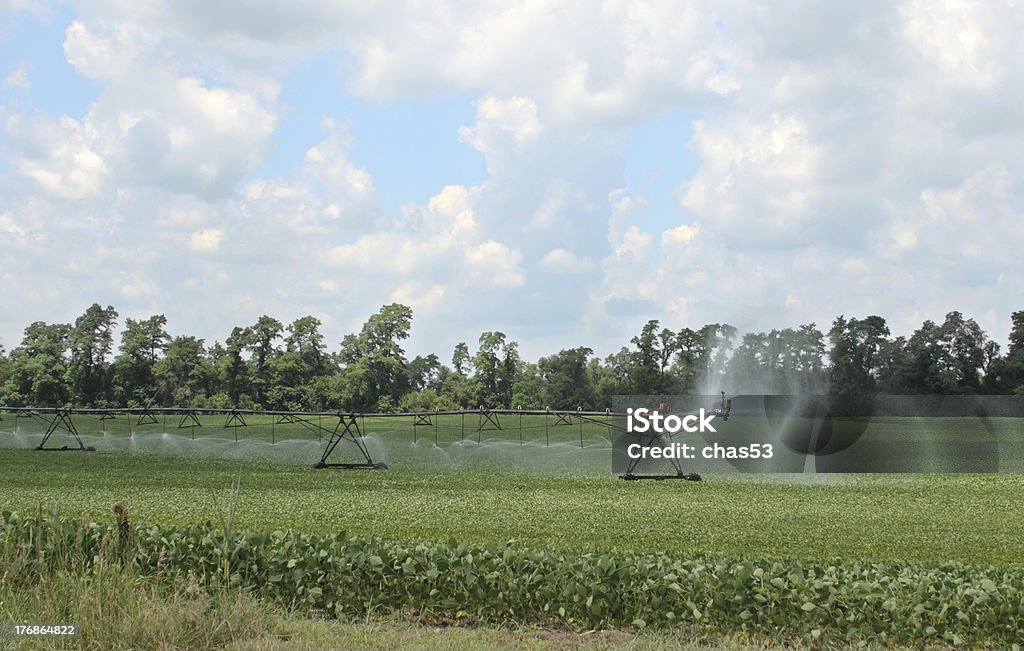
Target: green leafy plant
point(838, 601)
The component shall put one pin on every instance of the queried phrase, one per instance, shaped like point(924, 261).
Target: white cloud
point(835, 148)
point(514, 119)
point(681, 235)
point(757, 180)
point(180, 136)
point(502, 130)
point(206, 240)
point(327, 194)
point(10, 226)
point(954, 35)
point(589, 63)
point(104, 50)
point(438, 241)
point(494, 264)
point(59, 156)
point(139, 289)
point(633, 247)
point(18, 77)
point(565, 261)
point(422, 298)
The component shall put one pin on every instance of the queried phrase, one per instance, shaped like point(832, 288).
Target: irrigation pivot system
point(722, 410)
point(334, 428)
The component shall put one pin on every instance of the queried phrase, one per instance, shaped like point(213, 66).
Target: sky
point(559, 171)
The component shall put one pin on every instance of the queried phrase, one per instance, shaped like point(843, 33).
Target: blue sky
point(558, 172)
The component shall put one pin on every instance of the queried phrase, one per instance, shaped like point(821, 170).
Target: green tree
point(855, 356)
point(455, 389)
point(6, 372)
point(231, 368)
point(567, 380)
point(38, 367)
point(460, 359)
point(497, 366)
point(946, 359)
point(782, 362)
point(142, 343)
point(965, 341)
point(930, 367)
point(90, 341)
point(260, 339)
point(184, 375)
point(611, 378)
point(424, 373)
point(374, 374)
point(304, 338)
point(645, 370)
point(527, 390)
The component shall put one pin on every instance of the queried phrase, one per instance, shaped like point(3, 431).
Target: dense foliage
point(893, 602)
point(273, 366)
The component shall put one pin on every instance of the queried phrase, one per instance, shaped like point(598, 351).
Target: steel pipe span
point(340, 426)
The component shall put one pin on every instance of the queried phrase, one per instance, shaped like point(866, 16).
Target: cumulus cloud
point(181, 136)
point(139, 289)
point(18, 76)
point(493, 264)
point(833, 149)
point(60, 156)
point(681, 235)
point(757, 180)
point(439, 240)
point(565, 261)
point(328, 193)
point(206, 240)
point(421, 297)
point(502, 125)
point(104, 50)
point(630, 59)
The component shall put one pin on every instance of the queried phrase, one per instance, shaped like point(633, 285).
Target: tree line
point(268, 365)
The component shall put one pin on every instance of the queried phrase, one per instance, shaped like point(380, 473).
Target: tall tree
point(497, 366)
point(38, 373)
point(305, 339)
point(461, 359)
point(6, 370)
point(261, 339)
point(855, 354)
point(930, 367)
point(945, 359)
point(142, 343)
point(1012, 370)
point(232, 370)
point(965, 341)
point(90, 341)
point(424, 373)
point(375, 374)
point(527, 390)
point(183, 375)
point(567, 382)
point(645, 371)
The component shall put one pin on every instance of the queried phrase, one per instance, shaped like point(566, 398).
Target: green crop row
point(837, 601)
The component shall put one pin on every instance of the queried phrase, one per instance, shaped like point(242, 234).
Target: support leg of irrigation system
point(62, 419)
point(348, 429)
point(630, 475)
